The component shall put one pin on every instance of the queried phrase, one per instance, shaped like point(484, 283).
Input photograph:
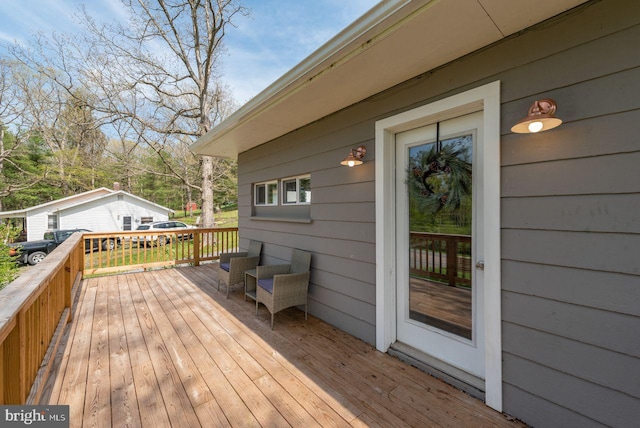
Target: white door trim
point(485, 98)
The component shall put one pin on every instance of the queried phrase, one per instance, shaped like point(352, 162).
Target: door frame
point(486, 98)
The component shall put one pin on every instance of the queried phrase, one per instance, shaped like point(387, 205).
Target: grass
point(223, 218)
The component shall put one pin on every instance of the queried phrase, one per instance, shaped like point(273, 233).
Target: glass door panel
point(440, 226)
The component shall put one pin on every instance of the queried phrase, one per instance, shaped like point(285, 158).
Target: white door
point(440, 292)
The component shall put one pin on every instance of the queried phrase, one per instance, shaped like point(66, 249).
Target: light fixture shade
point(355, 157)
point(541, 117)
point(351, 160)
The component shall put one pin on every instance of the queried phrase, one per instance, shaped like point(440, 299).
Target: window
point(52, 221)
point(266, 193)
point(144, 220)
point(296, 190)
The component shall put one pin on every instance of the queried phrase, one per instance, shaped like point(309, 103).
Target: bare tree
point(157, 73)
point(9, 107)
point(50, 114)
point(122, 149)
point(15, 92)
point(84, 140)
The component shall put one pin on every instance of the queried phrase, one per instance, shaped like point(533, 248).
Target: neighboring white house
point(99, 210)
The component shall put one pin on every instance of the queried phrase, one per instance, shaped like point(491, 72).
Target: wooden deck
point(165, 348)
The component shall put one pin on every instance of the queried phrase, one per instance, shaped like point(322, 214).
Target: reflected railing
point(440, 257)
point(440, 285)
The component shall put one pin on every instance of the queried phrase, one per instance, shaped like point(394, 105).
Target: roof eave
point(340, 74)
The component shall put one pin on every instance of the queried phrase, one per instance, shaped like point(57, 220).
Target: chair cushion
point(266, 284)
point(225, 266)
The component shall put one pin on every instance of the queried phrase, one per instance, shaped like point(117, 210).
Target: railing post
point(196, 248)
point(452, 260)
point(83, 259)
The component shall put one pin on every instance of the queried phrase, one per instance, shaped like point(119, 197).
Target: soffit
point(393, 42)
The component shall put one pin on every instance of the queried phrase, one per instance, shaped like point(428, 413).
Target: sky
point(261, 48)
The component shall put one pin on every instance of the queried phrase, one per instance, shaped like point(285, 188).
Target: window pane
point(290, 191)
point(272, 197)
point(52, 222)
point(260, 194)
point(66, 235)
point(305, 190)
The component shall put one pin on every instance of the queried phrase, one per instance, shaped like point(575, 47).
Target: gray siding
point(570, 212)
point(571, 229)
point(341, 234)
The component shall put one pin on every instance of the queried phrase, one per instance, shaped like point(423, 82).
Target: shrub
point(8, 267)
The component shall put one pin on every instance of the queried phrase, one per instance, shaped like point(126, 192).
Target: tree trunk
point(189, 201)
point(207, 218)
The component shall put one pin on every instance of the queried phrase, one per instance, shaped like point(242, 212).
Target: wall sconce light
point(355, 157)
point(541, 117)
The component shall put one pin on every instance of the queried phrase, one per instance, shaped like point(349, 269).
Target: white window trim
point(486, 97)
point(266, 193)
point(297, 179)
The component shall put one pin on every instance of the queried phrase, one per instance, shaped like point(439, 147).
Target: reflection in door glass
point(440, 210)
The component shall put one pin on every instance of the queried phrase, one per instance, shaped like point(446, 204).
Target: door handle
point(480, 265)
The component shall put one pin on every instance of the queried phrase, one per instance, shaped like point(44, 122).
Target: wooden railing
point(127, 251)
point(35, 307)
point(441, 257)
point(33, 312)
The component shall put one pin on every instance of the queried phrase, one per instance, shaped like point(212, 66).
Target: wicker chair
point(233, 265)
point(282, 286)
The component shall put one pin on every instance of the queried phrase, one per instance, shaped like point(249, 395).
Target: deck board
point(153, 412)
point(165, 360)
point(124, 401)
point(97, 395)
point(74, 382)
point(165, 348)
